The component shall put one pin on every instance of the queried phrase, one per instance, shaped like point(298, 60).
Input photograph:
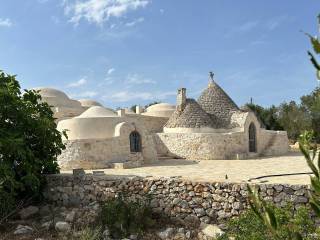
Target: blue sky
point(124, 52)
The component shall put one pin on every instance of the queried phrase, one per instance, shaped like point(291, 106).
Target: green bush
point(126, 217)
point(248, 226)
point(29, 141)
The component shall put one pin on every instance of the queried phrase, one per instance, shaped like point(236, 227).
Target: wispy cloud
point(127, 96)
point(110, 71)
point(80, 82)
point(135, 22)
point(248, 26)
point(100, 11)
point(85, 94)
point(137, 79)
point(5, 22)
point(242, 28)
point(275, 22)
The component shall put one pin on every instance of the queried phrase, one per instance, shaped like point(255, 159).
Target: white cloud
point(78, 83)
point(248, 26)
point(275, 22)
point(111, 70)
point(5, 22)
point(126, 96)
point(135, 22)
point(100, 11)
point(137, 79)
point(85, 94)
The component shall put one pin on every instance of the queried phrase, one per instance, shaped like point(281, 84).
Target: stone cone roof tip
point(214, 100)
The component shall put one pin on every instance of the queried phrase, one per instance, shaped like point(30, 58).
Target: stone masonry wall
point(185, 201)
point(201, 146)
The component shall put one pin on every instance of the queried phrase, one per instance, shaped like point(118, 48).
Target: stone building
point(212, 127)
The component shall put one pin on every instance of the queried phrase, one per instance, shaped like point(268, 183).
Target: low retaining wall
point(182, 200)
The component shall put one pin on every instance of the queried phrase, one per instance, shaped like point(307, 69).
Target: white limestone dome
point(97, 112)
point(160, 110)
point(57, 98)
point(95, 123)
point(87, 103)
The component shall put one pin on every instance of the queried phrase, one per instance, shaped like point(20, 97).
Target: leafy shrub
point(248, 226)
point(126, 217)
point(29, 141)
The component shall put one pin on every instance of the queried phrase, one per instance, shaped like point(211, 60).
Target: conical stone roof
point(192, 116)
point(216, 102)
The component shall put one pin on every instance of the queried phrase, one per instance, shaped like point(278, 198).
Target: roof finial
point(211, 81)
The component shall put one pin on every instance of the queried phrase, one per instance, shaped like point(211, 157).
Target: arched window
point(135, 142)
point(252, 138)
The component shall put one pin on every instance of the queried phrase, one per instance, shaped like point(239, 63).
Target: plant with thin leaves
point(309, 149)
point(266, 214)
point(315, 42)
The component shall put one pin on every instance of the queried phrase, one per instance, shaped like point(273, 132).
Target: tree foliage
point(292, 117)
point(29, 140)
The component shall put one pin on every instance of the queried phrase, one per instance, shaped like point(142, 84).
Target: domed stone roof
point(57, 98)
point(97, 112)
point(216, 102)
point(160, 110)
point(51, 92)
point(192, 116)
point(160, 106)
point(89, 103)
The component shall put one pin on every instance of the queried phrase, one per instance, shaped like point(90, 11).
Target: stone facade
point(185, 201)
point(221, 143)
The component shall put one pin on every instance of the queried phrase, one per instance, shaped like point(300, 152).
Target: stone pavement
point(217, 170)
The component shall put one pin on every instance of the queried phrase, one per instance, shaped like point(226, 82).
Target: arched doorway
point(252, 138)
point(135, 142)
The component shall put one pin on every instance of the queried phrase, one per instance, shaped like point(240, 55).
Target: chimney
point(121, 112)
point(181, 99)
point(139, 109)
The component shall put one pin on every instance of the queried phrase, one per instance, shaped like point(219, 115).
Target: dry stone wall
point(182, 200)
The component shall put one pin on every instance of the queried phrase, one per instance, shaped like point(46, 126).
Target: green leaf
point(309, 161)
point(314, 61)
point(271, 218)
point(315, 208)
point(315, 43)
point(315, 183)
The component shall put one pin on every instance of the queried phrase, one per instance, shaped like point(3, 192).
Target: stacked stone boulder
point(181, 200)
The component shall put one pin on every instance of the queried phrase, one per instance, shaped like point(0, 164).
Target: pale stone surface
point(21, 229)
point(211, 230)
point(237, 170)
point(62, 227)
